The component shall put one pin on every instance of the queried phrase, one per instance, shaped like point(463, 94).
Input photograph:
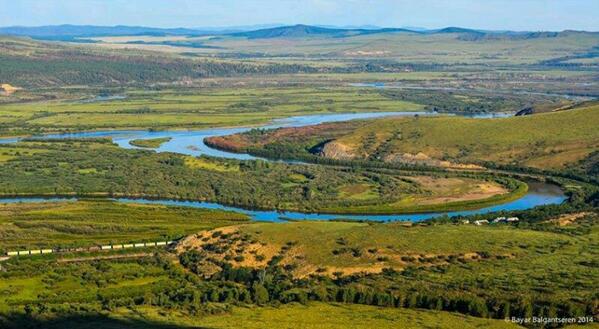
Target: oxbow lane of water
point(191, 143)
point(538, 194)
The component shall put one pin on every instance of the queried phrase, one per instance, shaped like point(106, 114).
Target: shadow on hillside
point(88, 321)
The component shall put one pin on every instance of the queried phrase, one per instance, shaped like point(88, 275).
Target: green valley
point(216, 173)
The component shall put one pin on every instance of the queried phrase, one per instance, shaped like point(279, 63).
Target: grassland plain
point(91, 223)
point(548, 140)
point(194, 109)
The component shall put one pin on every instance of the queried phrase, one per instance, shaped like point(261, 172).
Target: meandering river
point(190, 142)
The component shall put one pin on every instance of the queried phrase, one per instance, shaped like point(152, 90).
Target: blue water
point(190, 142)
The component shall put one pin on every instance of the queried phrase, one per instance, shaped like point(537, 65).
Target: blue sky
point(483, 14)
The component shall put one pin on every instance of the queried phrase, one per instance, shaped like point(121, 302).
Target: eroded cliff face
point(6, 89)
point(339, 151)
point(423, 159)
point(336, 150)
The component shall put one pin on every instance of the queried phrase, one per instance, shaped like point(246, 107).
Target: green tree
point(260, 293)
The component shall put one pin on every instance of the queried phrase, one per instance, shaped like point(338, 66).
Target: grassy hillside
point(141, 59)
point(28, 63)
point(550, 140)
point(547, 140)
point(247, 276)
point(492, 264)
point(349, 248)
point(449, 47)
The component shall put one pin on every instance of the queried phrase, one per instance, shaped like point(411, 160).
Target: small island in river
point(150, 143)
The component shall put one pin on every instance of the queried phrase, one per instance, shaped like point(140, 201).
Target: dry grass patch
point(341, 248)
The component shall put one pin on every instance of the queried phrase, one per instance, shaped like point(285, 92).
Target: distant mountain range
point(70, 32)
point(300, 30)
point(55, 31)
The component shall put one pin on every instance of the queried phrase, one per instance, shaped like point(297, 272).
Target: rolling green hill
point(550, 140)
point(254, 275)
point(169, 57)
point(28, 63)
point(547, 140)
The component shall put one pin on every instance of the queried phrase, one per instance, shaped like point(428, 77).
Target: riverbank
point(402, 207)
point(538, 194)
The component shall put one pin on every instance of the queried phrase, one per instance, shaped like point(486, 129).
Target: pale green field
point(198, 109)
point(87, 223)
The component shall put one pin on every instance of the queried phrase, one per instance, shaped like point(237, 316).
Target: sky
point(530, 15)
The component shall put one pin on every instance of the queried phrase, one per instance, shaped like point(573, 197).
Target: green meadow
point(92, 223)
point(542, 140)
point(194, 109)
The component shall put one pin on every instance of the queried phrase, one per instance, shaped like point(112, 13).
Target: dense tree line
point(80, 167)
point(83, 69)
